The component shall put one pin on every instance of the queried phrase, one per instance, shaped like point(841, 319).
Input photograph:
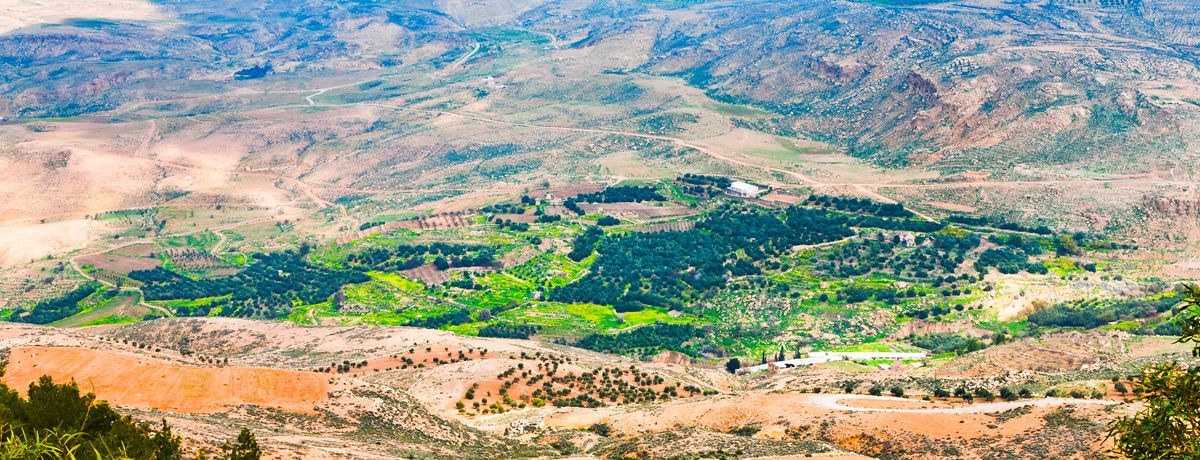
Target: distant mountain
point(965, 85)
point(970, 85)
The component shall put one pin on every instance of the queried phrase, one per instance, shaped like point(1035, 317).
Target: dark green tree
point(733, 365)
point(1168, 427)
point(167, 444)
point(245, 447)
point(58, 413)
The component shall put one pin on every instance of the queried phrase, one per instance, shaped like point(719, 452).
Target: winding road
point(74, 260)
point(141, 295)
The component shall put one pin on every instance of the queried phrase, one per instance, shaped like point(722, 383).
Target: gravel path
point(834, 402)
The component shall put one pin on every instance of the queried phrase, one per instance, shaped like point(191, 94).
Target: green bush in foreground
point(57, 421)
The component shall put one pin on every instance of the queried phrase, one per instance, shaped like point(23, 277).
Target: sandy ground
point(20, 244)
point(858, 403)
point(15, 14)
point(145, 383)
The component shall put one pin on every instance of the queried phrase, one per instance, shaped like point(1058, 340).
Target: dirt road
point(74, 260)
point(834, 402)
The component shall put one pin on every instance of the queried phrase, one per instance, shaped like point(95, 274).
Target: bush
point(875, 390)
point(897, 391)
point(602, 429)
point(57, 419)
point(733, 365)
point(607, 221)
point(1008, 394)
point(984, 393)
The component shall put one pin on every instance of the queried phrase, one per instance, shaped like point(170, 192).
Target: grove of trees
point(53, 309)
point(666, 269)
point(268, 288)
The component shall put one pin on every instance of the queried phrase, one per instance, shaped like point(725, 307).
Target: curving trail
point(74, 260)
point(462, 60)
point(141, 295)
point(834, 402)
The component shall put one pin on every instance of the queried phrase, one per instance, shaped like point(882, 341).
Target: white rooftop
point(743, 188)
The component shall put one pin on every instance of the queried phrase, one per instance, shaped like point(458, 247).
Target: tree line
point(1093, 314)
point(406, 257)
point(861, 205)
point(646, 340)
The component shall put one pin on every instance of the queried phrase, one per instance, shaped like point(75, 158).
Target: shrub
point(1008, 394)
point(733, 365)
point(57, 419)
point(602, 429)
point(607, 221)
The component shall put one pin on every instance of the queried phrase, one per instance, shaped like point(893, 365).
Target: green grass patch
point(880, 347)
point(735, 110)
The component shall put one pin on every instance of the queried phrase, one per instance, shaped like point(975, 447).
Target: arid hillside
point(965, 86)
point(275, 379)
point(972, 85)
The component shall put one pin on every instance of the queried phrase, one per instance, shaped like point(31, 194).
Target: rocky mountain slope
point(971, 85)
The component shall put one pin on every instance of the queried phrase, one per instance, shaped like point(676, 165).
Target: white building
point(820, 357)
point(743, 190)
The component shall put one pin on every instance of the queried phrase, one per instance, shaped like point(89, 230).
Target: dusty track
point(74, 260)
point(834, 402)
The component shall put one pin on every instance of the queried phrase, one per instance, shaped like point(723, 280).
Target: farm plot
point(189, 259)
point(500, 291)
point(526, 218)
point(549, 270)
point(135, 250)
point(644, 211)
point(445, 221)
point(121, 309)
point(572, 190)
point(428, 274)
point(676, 226)
point(118, 263)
